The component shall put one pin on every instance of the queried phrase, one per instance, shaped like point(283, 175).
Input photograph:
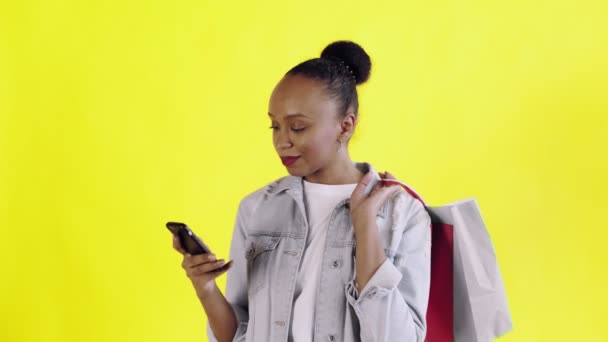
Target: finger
point(224, 268)
point(195, 260)
point(376, 187)
point(177, 245)
point(383, 183)
point(358, 193)
point(390, 181)
point(380, 196)
point(218, 271)
point(202, 258)
point(389, 175)
point(206, 268)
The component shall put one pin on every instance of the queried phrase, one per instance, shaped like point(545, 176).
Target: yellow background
point(117, 116)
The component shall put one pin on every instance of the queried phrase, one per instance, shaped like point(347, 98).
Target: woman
point(296, 274)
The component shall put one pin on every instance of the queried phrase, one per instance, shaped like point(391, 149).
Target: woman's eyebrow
point(291, 115)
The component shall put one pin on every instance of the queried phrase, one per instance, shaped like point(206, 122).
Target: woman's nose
point(283, 145)
point(282, 142)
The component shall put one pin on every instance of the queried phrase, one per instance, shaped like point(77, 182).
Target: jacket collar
point(295, 187)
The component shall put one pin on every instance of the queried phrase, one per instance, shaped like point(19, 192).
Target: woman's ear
point(347, 125)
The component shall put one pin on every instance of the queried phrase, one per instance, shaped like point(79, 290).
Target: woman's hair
point(342, 66)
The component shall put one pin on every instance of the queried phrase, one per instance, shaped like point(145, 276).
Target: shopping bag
point(467, 299)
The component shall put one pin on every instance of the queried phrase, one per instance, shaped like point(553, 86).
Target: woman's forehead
point(300, 95)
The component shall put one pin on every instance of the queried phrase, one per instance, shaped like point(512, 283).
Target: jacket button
point(331, 337)
point(336, 263)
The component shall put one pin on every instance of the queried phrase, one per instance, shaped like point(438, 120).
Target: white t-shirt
point(320, 201)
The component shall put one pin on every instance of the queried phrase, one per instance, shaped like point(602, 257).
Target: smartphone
point(189, 241)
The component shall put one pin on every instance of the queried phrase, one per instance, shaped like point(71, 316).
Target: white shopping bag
point(481, 312)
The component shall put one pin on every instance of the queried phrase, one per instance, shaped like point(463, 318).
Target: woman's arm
point(227, 315)
point(390, 295)
point(370, 250)
point(236, 301)
point(398, 290)
point(220, 314)
point(202, 270)
point(369, 254)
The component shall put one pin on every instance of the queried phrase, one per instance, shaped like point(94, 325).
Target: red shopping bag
point(440, 311)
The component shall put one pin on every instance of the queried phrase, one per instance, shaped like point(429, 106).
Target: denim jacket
point(267, 245)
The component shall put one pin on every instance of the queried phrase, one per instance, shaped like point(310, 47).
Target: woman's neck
point(341, 171)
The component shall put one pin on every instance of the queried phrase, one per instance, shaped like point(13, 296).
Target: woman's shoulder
point(253, 199)
point(408, 207)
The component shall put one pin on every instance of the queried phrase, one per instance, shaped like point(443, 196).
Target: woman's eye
point(293, 129)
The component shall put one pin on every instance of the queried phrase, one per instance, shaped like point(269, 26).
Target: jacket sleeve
point(393, 303)
point(236, 282)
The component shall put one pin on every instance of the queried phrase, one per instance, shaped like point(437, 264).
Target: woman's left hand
point(364, 208)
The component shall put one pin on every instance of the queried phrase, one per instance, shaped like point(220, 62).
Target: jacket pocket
point(259, 255)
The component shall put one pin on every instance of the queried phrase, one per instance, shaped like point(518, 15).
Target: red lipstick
point(288, 161)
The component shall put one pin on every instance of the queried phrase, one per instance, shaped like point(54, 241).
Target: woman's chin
point(296, 171)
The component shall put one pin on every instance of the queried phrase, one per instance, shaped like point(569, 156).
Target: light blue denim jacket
point(267, 245)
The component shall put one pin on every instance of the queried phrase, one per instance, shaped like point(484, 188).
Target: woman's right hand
point(202, 269)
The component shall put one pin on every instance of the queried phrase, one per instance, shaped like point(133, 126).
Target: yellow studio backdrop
point(117, 116)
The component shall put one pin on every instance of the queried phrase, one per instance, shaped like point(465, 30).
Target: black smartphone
point(189, 241)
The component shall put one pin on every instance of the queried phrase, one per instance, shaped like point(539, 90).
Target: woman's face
point(305, 125)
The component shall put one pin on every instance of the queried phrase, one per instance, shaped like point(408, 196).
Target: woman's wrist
point(369, 253)
point(208, 291)
point(364, 226)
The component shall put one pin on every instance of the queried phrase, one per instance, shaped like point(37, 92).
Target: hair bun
point(353, 55)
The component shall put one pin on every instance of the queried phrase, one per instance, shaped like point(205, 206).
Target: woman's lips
point(288, 161)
